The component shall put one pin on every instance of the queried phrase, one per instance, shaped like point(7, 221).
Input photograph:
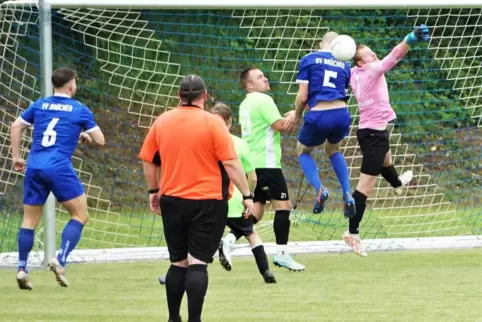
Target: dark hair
point(222, 110)
point(243, 78)
point(191, 88)
point(60, 77)
point(357, 56)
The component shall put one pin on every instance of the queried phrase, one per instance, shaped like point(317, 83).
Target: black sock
point(196, 288)
point(236, 234)
point(391, 175)
point(360, 205)
point(281, 225)
point(175, 287)
point(261, 259)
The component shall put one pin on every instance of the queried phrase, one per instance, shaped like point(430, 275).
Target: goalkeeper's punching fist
point(418, 34)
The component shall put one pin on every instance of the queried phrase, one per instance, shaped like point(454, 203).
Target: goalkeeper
point(236, 221)
point(371, 92)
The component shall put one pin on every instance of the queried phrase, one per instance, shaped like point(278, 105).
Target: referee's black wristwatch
point(151, 191)
point(250, 196)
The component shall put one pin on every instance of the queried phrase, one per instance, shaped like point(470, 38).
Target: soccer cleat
point(162, 280)
point(59, 272)
point(354, 241)
point(24, 283)
point(269, 278)
point(224, 250)
point(287, 262)
point(349, 207)
point(321, 198)
point(405, 178)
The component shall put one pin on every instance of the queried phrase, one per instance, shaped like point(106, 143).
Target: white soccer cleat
point(59, 272)
point(225, 255)
point(24, 283)
point(354, 241)
point(287, 262)
point(405, 178)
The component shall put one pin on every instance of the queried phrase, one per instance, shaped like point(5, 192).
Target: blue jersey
point(57, 122)
point(327, 78)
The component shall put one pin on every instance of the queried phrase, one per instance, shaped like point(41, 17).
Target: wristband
point(153, 190)
point(250, 196)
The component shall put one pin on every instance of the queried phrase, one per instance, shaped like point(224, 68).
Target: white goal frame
point(153, 253)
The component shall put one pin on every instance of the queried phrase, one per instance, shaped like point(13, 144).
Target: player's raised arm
point(388, 62)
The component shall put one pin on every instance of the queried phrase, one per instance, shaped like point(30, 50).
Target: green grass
point(108, 230)
point(398, 286)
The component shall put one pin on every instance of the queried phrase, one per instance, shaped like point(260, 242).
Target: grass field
point(389, 286)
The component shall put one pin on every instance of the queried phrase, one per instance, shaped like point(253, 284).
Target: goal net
point(130, 63)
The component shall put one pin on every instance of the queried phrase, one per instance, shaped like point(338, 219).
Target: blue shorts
point(62, 182)
point(319, 126)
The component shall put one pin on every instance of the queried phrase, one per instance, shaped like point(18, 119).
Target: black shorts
point(271, 185)
point(241, 225)
point(193, 226)
point(374, 145)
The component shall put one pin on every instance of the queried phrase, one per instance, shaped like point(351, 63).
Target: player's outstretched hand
point(290, 121)
point(85, 138)
point(19, 164)
point(418, 34)
point(248, 207)
point(154, 203)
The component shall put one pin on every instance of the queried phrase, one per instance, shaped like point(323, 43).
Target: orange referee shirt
point(190, 143)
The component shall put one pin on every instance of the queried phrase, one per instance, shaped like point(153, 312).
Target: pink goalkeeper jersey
point(371, 92)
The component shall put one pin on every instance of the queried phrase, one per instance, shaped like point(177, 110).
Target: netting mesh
point(130, 63)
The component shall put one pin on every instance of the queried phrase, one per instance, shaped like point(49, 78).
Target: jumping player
point(58, 122)
point(323, 83)
point(371, 92)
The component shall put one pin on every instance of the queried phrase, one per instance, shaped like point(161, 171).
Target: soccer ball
point(343, 48)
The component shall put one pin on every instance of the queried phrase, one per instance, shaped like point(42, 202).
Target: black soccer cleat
point(223, 258)
point(269, 278)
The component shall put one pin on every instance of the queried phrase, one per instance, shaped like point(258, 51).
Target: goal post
point(131, 55)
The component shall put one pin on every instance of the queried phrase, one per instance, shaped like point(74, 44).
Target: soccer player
point(197, 159)
point(323, 83)
point(243, 225)
point(371, 92)
point(57, 121)
point(261, 125)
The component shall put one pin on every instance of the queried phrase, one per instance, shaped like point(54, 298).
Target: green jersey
point(257, 113)
point(236, 207)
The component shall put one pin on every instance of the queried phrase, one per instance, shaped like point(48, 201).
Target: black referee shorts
point(193, 226)
point(374, 145)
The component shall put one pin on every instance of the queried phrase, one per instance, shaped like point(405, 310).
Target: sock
point(391, 175)
point(236, 234)
point(25, 244)
point(339, 165)
point(261, 259)
point(70, 237)
point(281, 226)
point(360, 205)
point(230, 239)
point(175, 288)
point(310, 170)
point(196, 287)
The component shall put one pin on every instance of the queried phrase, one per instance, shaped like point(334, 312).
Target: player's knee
point(301, 149)
point(191, 260)
point(183, 263)
point(331, 148)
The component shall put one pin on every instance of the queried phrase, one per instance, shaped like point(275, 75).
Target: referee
point(197, 159)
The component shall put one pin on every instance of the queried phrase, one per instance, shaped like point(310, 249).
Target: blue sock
point(339, 165)
point(70, 237)
point(25, 244)
point(310, 170)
